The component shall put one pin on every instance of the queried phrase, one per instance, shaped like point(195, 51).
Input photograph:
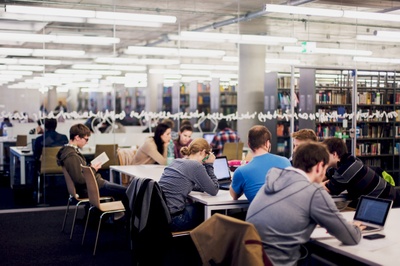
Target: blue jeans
point(191, 216)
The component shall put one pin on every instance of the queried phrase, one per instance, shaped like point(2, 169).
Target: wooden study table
point(222, 201)
point(383, 251)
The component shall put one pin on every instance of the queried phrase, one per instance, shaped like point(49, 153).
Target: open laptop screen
point(221, 168)
point(373, 210)
point(209, 137)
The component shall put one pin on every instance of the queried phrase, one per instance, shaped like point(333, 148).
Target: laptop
point(222, 172)
point(372, 212)
point(208, 136)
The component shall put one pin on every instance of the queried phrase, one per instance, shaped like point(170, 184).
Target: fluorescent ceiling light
point(90, 72)
point(42, 38)
point(387, 34)
point(195, 72)
point(376, 60)
point(39, 62)
point(142, 50)
point(278, 61)
point(16, 51)
point(124, 22)
point(374, 38)
point(58, 53)
point(209, 67)
point(63, 12)
point(232, 38)
point(26, 67)
point(299, 49)
point(164, 71)
point(40, 18)
point(109, 67)
point(144, 61)
point(303, 10)
point(16, 72)
point(135, 17)
point(331, 12)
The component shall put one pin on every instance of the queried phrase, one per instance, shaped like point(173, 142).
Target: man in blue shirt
point(249, 178)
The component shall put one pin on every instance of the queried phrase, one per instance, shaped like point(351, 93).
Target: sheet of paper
point(102, 158)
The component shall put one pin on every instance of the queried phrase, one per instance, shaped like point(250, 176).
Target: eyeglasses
point(87, 139)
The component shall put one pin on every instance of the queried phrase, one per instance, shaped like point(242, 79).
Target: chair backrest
point(111, 151)
point(233, 150)
point(125, 157)
point(238, 242)
point(22, 140)
point(70, 184)
point(48, 161)
point(91, 185)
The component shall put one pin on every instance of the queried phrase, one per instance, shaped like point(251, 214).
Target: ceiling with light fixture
point(209, 16)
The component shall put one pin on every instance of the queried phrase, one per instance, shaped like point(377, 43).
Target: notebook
point(372, 212)
point(208, 136)
point(222, 172)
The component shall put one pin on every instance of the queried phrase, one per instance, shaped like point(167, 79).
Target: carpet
point(34, 237)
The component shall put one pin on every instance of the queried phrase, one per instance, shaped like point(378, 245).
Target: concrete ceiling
point(225, 17)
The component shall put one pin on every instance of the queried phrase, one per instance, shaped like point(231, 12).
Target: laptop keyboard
point(369, 228)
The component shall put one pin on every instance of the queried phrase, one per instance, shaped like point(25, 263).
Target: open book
point(102, 158)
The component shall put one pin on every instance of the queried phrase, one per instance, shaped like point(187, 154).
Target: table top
point(153, 171)
point(21, 151)
point(383, 251)
point(222, 198)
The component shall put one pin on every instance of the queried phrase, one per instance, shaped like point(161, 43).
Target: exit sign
point(308, 47)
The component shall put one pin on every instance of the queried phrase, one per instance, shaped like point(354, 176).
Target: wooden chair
point(238, 242)
point(22, 140)
point(74, 196)
point(48, 166)
point(111, 151)
point(125, 157)
point(233, 150)
point(94, 199)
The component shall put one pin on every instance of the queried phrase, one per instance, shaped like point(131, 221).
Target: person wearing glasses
point(70, 157)
point(194, 172)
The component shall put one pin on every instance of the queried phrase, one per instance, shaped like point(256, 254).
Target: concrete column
point(250, 95)
point(52, 99)
point(154, 85)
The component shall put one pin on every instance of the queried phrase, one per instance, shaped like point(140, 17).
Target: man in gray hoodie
point(291, 203)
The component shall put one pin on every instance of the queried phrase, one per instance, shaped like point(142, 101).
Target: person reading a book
point(71, 159)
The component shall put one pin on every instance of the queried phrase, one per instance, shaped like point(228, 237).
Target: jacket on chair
point(149, 224)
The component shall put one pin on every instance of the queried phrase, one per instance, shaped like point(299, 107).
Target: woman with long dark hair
point(154, 149)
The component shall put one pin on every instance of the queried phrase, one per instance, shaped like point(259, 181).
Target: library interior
point(121, 67)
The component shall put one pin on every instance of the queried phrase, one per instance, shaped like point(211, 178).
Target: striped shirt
point(181, 177)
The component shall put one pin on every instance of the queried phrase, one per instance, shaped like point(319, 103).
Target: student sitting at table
point(184, 139)
point(154, 149)
point(196, 172)
point(71, 159)
point(291, 203)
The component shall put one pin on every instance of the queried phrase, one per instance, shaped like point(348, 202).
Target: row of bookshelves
point(377, 148)
point(332, 97)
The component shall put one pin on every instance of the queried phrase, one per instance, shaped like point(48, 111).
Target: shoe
point(119, 216)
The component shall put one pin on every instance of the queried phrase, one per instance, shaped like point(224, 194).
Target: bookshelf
point(377, 139)
point(277, 99)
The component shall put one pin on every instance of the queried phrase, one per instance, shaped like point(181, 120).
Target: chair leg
point(87, 220)
point(66, 214)
point(74, 221)
point(97, 235)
